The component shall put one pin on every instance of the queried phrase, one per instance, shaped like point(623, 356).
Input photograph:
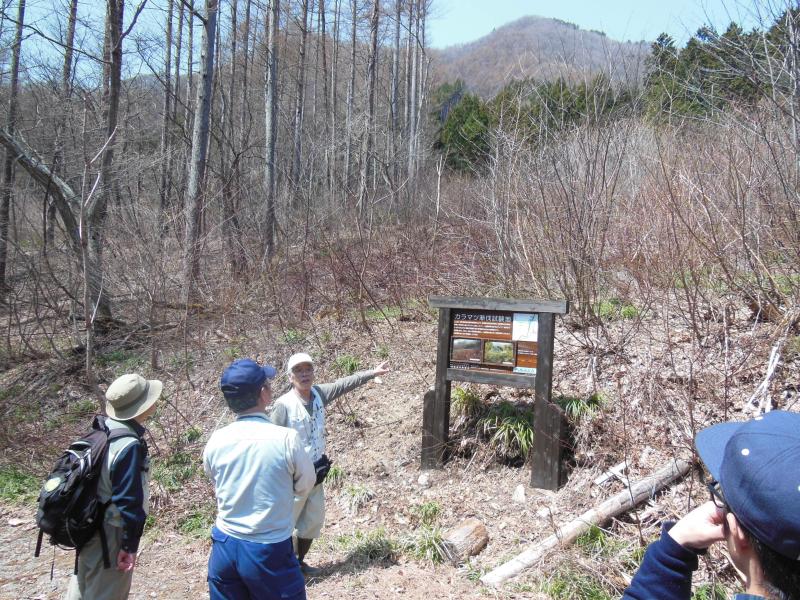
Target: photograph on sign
point(527, 358)
point(498, 353)
point(525, 327)
point(466, 350)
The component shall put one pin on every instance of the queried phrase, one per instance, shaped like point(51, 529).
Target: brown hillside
point(539, 48)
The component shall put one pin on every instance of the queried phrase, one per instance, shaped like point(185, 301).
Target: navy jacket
point(666, 572)
point(127, 491)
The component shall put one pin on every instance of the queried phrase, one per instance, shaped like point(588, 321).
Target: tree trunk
point(229, 172)
point(394, 118)
point(422, 78)
point(371, 78)
point(189, 108)
point(244, 125)
point(178, 50)
point(97, 206)
point(351, 88)
point(49, 208)
point(466, 539)
point(325, 98)
point(66, 200)
point(8, 165)
point(299, 105)
point(197, 164)
point(412, 92)
point(334, 162)
point(271, 20)
point(166, 138)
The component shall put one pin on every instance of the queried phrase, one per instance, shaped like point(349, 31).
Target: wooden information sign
point(497, 342)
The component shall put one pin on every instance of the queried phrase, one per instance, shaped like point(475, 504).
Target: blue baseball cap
point(757, 464)
point(244, 377)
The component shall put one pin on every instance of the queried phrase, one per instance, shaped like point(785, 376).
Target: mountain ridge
point(539, 48)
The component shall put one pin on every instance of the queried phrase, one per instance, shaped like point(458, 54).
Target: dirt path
point(174, 567)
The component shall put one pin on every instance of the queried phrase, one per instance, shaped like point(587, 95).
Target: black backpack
point(69, 509)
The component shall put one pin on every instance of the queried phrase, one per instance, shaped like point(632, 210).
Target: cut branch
point(566, 534)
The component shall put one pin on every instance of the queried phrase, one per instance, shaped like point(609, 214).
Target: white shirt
point(291, 411)
point(257, 469)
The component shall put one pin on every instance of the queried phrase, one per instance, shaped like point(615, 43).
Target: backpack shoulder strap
point(115, 434)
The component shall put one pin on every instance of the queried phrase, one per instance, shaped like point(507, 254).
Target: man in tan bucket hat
point(124, 485)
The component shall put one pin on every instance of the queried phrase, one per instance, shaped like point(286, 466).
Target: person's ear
point(737, 534)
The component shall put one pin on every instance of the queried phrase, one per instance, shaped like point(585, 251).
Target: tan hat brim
point(141, 405)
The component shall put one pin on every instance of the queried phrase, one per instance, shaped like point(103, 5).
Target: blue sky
point(460, 21)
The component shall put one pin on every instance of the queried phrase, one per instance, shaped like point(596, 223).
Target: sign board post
point(497, 342)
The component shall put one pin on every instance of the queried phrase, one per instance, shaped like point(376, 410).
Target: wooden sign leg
point(436, 403)
point(548, 418)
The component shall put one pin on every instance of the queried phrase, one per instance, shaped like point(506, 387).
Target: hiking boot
point(308, 570)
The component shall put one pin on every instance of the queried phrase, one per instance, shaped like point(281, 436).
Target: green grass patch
point(708, 591)
point(335, 478)
point(76, 412)
point(577, 408)
point(466, 402)
point(233, 352)
point(472, 572)
point(18, 487)
point(293, 336)
point(385, 312)
point(356, 497)
point(346, 364)
point(11, 392)
point(193, 434)
point(633, 557)
point(382, 351)
point(568, 583)
point(787, 284)
point(425, 544)
point(149, 522)
point(615, 309)
point(122, 361)
point(26, 412)
point(181, 361)
point(509, 430)
point(197, 524)
point(599, 543)
point(369, 547)
point(176, 470)
point(426, 513)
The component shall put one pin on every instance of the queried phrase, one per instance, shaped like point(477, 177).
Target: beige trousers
point(309, 514)
point(94, 581)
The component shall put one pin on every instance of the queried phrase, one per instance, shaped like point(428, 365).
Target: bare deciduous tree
point(272, 20)
point(8, 164)
point(195, 196)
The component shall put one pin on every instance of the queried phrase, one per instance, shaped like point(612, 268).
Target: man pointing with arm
point(303, 410)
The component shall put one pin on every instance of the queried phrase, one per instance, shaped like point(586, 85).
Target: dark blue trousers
point(241, 570)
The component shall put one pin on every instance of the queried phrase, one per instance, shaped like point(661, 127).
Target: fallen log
point(466, 539)
point(568, 533)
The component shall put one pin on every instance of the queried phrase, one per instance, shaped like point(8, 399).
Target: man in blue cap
point(754, 508)
point(257, 469)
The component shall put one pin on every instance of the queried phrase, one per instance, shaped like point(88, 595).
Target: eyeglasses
point(716, 494)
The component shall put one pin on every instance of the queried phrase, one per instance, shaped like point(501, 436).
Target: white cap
point(298, 359)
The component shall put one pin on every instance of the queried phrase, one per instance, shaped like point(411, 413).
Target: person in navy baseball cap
point(242, 382)
point(754, 509)
point(257, 469)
